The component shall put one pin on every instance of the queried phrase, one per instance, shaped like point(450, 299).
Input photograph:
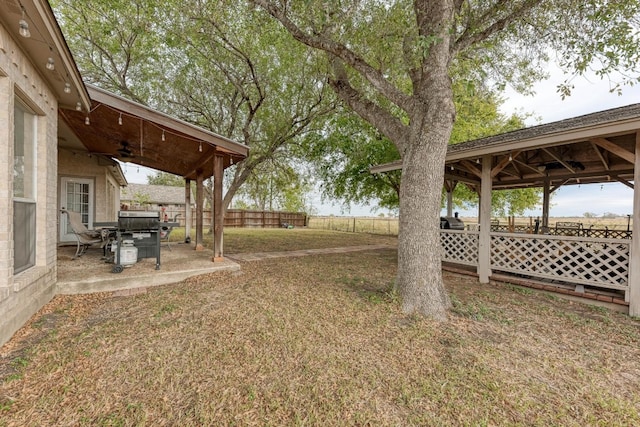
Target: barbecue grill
point(451, 222)
point(143, 228)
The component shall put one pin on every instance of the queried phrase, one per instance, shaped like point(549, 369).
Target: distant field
point(389, 226)
point(617, 223)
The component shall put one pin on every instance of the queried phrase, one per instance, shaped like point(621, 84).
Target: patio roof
point(592, 148)
point(131, 132)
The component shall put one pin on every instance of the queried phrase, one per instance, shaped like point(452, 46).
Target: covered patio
point(90, 273)
point(590, 149)
point(117, 128)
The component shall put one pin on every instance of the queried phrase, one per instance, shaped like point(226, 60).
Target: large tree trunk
point(419, 280)
point(432, 114)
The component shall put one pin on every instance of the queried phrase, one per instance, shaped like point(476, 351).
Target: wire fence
point(373, 225)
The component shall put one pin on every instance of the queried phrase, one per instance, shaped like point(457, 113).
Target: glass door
point(76, 195)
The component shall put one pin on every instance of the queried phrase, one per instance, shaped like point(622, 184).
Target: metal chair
point(84, 236)
point(165, 231)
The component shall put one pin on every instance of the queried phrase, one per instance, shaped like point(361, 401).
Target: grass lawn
point(244, 240)
point(320, 340)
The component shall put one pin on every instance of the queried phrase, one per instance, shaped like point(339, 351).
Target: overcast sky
point(589, 95)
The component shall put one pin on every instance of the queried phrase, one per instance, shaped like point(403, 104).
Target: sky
point(589, 95)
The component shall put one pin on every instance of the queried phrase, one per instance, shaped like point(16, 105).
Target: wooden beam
point(188, 214)
point(633, 295)
point(218, 213)
point(551, 190)
point(615, 149)
point(484, 239)
point(471, 168)
point(625, 182)
point(199, 212)
point(600, 156)
point(559, 160)
point(503, 163)
point(531, 168)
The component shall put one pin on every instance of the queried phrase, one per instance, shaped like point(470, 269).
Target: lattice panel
point(459, 246)
point(599, 262)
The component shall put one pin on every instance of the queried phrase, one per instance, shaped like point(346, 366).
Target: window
point(24, 187)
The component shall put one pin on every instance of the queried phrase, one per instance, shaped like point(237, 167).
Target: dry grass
point(245, 240)
point(321, 341)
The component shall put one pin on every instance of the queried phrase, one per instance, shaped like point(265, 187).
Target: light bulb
point(163, 135)
point(50, 64)
point(24, 27)
point(78, 106)
point(120, 119)
point(67, 88)
point(200, 147)
point(87, 121)
point(510, 157)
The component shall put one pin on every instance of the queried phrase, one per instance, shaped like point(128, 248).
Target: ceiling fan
point(124, 151)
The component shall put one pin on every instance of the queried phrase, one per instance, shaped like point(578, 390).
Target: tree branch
point(470, 37)
point(373, 76)
point(368, 110)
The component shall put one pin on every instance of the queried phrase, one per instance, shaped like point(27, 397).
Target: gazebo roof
point(596, 147)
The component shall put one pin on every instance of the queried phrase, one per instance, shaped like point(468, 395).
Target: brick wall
point(23, 294)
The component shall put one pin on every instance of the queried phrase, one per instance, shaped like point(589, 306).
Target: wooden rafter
point(604, 161)
point(625, 182)
point(471, 168)
point(615, 149)
point(526, 166)
point(559, 160)
point(503, 163)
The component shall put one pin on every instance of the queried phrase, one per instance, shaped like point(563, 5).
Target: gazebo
point(594, 148)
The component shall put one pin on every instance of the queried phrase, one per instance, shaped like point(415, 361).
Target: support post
point(199, 212)
point(218, 215)
point(449, 186)
point(188, 214)
point(634, 266)
point(546, 195)
point(484, 244)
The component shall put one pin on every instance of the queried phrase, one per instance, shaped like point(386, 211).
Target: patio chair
point(165, 231)
point(84, 236)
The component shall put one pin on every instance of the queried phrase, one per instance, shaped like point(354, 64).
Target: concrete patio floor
point(90, 273)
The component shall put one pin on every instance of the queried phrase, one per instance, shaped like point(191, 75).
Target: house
point(154, 197)
point(58, 141)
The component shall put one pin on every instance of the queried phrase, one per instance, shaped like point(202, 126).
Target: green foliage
point(276, 185)
point(141, 199)
point(164, 178)
point(220, 65)
point(348, 146)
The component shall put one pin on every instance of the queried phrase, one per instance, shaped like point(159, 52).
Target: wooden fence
point(243, 218)
point(264, 219)
point(377, 225)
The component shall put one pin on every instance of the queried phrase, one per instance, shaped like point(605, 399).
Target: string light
point(478, 161)
point(67, 88)
point(24, 27)
point(78, 106)
point(200, 147)
point(510, 157)
point(50, 64)
point(163, 135)
point(120, 119)
point(87, 121)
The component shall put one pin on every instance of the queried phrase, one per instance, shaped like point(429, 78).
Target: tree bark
point(419, 280)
